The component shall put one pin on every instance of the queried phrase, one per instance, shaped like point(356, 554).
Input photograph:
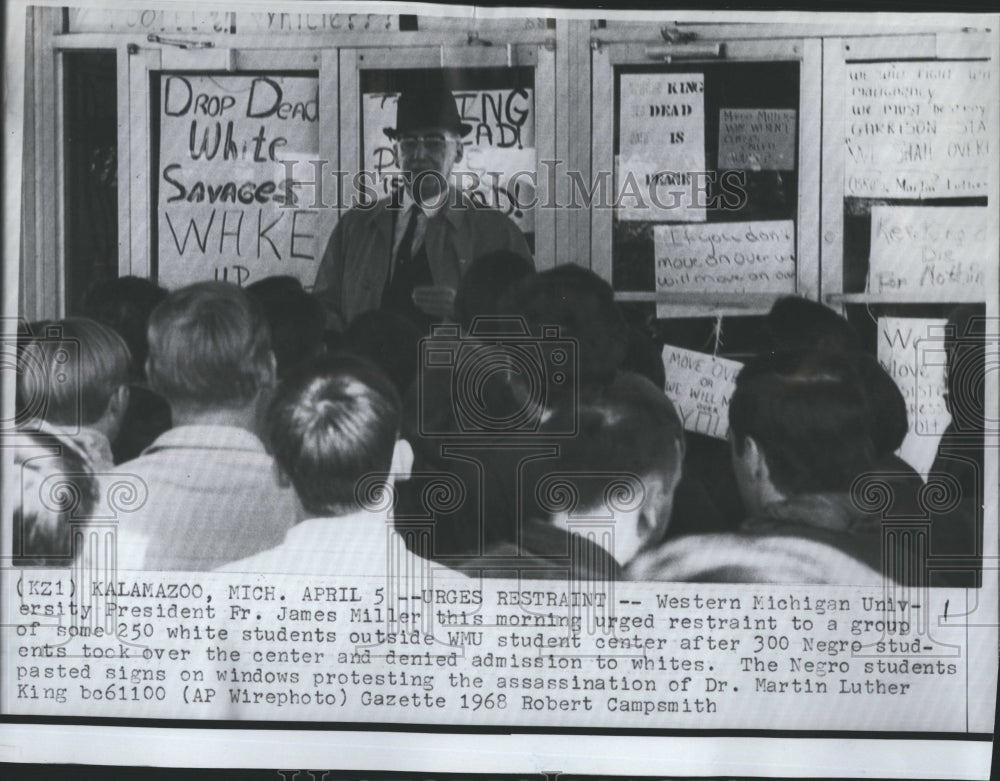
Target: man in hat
point(407, 252)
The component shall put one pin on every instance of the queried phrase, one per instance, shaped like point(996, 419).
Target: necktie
point(404, 253)
point(407, 270)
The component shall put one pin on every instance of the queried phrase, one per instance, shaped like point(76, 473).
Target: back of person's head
point(643, 356)
point(627, 450)
point(209, 347)
point(888, 423)
point(27, 403)
point(125, 304)
point(296, 320)
point(807, 414)
point(798, 324)
point(965, 345)
point(55, 488)
point(71, 369)
point(486, 281)
point(583, 305)
point(389, 340)
point(330, 426)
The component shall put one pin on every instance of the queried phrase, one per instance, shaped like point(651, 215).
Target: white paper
point(927, 253)
point(911, 350)
point(919, 129)
point(226, 209)
point(958, 627)
point(700, 386)
point(725, 257)
point(661, 147)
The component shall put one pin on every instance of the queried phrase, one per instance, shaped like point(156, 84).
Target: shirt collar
point(832, 511)
point(360, 524)
point(448, 209)
point(97, 447)
point(407, 203)
point(88, 442)
point(208, 438)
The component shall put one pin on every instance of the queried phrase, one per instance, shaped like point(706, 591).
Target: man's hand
point(436, 301)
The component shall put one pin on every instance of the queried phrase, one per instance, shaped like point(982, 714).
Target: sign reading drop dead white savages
point(226, 208)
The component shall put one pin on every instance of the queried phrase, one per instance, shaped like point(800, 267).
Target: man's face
point(741, 457)
point(427, 151)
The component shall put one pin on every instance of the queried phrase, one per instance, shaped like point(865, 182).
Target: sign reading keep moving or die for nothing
point(930, 253)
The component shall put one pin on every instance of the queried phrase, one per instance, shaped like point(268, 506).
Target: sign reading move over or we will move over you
point(700, 386)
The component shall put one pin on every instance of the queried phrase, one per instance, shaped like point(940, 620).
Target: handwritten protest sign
point(725, 257)
point(96, 19)
point(757, 139)
point(929, 253)
point(911, 350)
point(224, 208)
point(919, 129)
point(194, 20)
point(661, 147)
point(294, 23)
point(498, 164)
point(700, 386)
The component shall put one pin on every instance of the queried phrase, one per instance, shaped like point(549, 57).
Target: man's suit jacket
point(355, 266)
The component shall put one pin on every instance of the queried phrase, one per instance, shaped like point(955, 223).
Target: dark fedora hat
point(427, 107)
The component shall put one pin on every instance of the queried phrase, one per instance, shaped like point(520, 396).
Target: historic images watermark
point(551, 186)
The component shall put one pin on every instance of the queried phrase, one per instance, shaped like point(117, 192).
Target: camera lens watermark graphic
point(964, 350)
point(969, 366)
point(497, 379)
point(46, 367)
point(477, 365)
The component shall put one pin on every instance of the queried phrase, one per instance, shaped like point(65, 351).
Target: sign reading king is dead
point(498, 162)
point(225, 208)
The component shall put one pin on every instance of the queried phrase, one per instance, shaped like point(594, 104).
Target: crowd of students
point(244, 436)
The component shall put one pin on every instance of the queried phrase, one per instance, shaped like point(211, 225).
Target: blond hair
point(209, 346)
point(70, 371)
